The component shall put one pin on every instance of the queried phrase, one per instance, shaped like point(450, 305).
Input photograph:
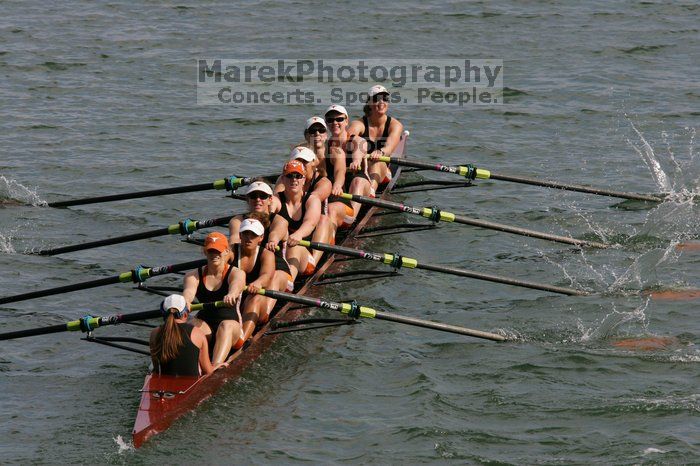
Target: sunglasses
point(294, 176)
point(320, 130)
point(339, 119)
point(262, 196)
point(378, 97)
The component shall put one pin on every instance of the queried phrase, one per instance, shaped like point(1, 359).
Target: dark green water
point(99, 98)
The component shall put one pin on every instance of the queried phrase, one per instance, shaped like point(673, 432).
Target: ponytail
point(168, 341)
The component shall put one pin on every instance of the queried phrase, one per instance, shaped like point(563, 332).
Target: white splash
point(6, 244)
point(12, 189)
point(123, 446)
point(612, 321)
point(650, 450)
point(646, 152)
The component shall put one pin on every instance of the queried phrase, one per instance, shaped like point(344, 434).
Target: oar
point(437, 215)
point(355, 311)
point(471, 172)
point(139, 274)
point(229, 184)
point(89, 323)
point(184, 227)
point(397, 261)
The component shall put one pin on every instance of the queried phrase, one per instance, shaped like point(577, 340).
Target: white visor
point(175, 301)
point(336, 108)
point(378, 89)
point(256, 186)
point(250, 224)
point(302, 153)
point(315, 120)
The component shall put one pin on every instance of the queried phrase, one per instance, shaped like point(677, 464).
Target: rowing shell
point(166, 398)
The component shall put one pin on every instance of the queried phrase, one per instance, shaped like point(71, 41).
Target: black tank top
point(253, 275)
point(294, 225)
point(330, 169)
point(187, 361)
point(379, 143)
point(205, 295)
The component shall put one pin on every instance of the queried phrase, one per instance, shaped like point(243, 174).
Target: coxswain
point(381, 132)
point(298, 217)
point(177, 347)
point(217, 281)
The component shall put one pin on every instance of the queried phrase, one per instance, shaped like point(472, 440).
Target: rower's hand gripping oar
point(138, 275)
point(229, 184)
point(89, 323)
point(397, 261)
point(470, 172)
point(355, 311)
point(437, 215)
point(185, 227)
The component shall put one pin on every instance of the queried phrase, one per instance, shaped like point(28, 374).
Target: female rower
point(217, 281)
point(296, 220)
point(316, 184)
point(179, 348)
point(331, 166)
point(258, 263)
point(260, 199)
point(353, 149)
point(382, 133)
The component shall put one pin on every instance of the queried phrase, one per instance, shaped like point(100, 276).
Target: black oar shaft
point(504, 280)
point(400, 261)
point(184, 227)
point(121, 278)
point(104, 242)
point(368, 312)
point(577, 188)
point(439, 215)
point(60, 289)
point(81, 324)
point(472, 172)
point(133, 195)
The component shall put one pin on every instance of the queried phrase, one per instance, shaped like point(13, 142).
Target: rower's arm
point(189, 289)
point(267, 269)
point(200, 341)
point(279, 187)
point(236, 282)
point(359, 150)
point(278, 232)
point(339, 169)
point(275, 205)
point(392, 141)
point(311, 218)
point(356, 128)
point(233, 227)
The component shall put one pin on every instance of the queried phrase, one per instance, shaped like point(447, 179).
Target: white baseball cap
point(256, 186)
point(303, 153)
point(174, 301)
point(336, 108)
point(251, 224)
point(378, 89)
point(315, 120)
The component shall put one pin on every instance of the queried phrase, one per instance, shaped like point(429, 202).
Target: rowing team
point(263, 250)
